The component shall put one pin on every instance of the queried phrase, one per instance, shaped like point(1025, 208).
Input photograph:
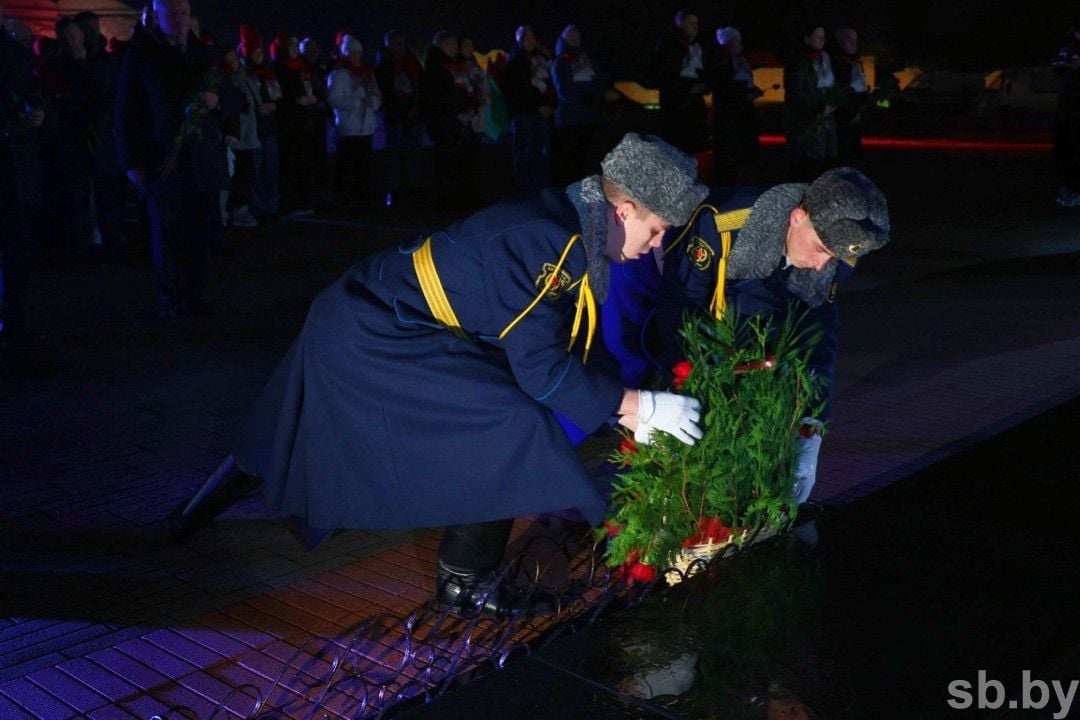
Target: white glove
point(671, 413)
point(807, 449)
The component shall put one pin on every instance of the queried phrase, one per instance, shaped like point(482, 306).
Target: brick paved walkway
point(966, 325)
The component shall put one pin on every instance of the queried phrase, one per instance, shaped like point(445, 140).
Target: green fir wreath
point(755, 384)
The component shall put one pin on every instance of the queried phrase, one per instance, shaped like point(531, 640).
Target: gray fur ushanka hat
point(848, 212)
point(656, 174)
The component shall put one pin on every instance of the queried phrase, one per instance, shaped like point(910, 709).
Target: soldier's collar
point(588, 199)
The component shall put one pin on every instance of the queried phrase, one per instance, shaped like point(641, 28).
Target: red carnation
point(709, 530)
point(644, 573)
point(681, 371)
point(628, 446)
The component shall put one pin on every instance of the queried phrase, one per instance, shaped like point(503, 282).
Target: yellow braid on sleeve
point(586, 304)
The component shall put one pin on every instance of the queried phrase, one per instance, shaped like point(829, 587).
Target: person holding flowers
point(423, 388)
point(169, 119)
point(779, 254)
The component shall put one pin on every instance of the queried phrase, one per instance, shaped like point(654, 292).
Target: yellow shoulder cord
point(726, 223)
point(432, 288)
point(585, 302)
point(688, 227)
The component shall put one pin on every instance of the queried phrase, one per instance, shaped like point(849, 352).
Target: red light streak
point(894, 143)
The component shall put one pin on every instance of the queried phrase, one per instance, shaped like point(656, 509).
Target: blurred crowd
point(194, 135)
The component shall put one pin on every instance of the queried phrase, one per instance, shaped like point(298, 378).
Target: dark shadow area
point(956, 316)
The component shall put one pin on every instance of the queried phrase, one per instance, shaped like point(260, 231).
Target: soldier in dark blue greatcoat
point(771, 253)
point(421, 389)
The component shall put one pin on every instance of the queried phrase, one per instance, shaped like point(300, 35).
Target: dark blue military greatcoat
point(380, 417)
point(645, 308)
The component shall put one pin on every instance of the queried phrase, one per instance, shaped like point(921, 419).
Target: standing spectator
point(69, 141)
point(477, 80)
point(297, 118)
point(20, 184)
point(321, 116)
point(448, 110)
point(265, 190)
point(580, 90)
point(168, 132)
point(245, 130)
point(852, 96)
point(810, 101)
point(398, 73)
point(682, 67)
point(1067, 121)
point(355, 98)
point(735, 131)
point(109, 184)
point(530, 99)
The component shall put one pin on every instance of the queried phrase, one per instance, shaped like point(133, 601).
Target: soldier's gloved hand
point(807, 448)
point(674, 414)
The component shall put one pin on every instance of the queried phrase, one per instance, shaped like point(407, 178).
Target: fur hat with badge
point(848, 212)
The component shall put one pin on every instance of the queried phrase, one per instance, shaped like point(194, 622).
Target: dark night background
point(949, 34)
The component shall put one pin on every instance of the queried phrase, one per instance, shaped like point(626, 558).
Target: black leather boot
point(470, 593)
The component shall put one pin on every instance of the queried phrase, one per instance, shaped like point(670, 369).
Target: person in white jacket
point(354, 95)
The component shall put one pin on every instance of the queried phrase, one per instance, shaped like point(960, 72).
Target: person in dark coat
point(530, 100)
point(421, 389)
point(21, 117)
point(448, 109)
point(790, 248)
point(265, 88)
point(398, 73)
point(109, 182)
point(853, 95)
point(297, 115)
point(168, 133)
point(69, 141)
point(1066, 133)
point(580, 87)
point(684, 70)
point(735, 130)
point(810, 101)
point(322, 118)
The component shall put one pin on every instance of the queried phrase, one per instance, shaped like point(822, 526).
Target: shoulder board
point(731, 220)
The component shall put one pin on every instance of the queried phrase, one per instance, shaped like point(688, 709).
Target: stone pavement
point(966, 325)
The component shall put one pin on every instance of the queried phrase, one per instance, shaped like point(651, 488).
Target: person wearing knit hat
point(265, 88)
point(424, 386)
point(790, 248)
point(355, 98)
point(398, 72)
